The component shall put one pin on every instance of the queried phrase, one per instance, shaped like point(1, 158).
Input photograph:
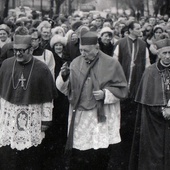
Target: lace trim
point(20, 126)
point(88, 133)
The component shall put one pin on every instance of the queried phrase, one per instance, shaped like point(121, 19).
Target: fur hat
point(75, 25)
point(163, 45)
point(57, 39)
point(158, 27)
point(43, 24)
point(89, 38)
point(22, 41)
point(106, 30)
point(56, 29)
point(5, 28)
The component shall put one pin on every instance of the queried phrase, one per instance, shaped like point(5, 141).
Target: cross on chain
point(167, 83)
point(22, 80)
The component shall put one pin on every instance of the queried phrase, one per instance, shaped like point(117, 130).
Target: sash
point(133, 55)
point(69, 143)
point(100, 111)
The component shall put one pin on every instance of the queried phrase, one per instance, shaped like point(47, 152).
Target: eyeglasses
point(21, 51)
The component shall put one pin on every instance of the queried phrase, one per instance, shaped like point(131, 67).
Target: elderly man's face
point(46, 33)
point(164, 55)
point(88, 52)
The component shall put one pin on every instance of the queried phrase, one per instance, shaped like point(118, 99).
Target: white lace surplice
point(89, 133)
point(20, 125)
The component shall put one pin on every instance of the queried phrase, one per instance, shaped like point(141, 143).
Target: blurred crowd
point(56, 40)
point(152, 28)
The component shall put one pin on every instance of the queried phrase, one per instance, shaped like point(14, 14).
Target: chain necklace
point(166, 79)
point(22, 79)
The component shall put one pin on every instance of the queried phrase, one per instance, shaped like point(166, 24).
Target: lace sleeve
point(110, 98)
point(47, 111)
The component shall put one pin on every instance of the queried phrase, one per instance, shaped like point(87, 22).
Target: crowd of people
point(85, 92)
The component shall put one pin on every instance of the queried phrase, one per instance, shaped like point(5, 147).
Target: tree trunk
point(58, 4)
point(5, 13)
point(157, 4)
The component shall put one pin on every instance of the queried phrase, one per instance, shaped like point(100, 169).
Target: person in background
point(147, 31)
point(133, 55)
point(152, 21)
point(45, 29)
point(108, 23)
point(124, 32)
point(86, 22)
point(57, 137)
point(66, 27)
point(105, 41)
point(39, 53)
point(99, 23)
point(158, 33)
point(4, 35)
point(72, 47)
point(58, 30)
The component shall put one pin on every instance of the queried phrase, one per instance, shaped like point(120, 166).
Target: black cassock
point(151, 143)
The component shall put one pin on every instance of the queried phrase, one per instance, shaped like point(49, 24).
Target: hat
point(43, 24)
point(22, 41)
point(5, 28)
point(57, 39)
point(56, 29)
point(22, 30)
point(158, 27)
point(76, 24)
point(163, 44)
point(89, 38)
point(106, 30)
point(83, 29)
point(23, 19)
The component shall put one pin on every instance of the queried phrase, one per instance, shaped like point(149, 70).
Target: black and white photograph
point(84, 85)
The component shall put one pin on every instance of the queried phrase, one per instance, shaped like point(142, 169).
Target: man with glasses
point(27, 89)
point(7, 49)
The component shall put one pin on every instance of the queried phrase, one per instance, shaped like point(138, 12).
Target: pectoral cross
point(22, 79)
point(167, 83)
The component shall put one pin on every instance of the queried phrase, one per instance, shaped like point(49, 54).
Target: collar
point(131, 38)
point(162, 67)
